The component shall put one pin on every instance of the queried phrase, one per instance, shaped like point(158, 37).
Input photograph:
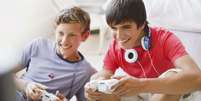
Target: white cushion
point(181, 15)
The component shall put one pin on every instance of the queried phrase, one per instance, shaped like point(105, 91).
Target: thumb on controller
point(60, 96)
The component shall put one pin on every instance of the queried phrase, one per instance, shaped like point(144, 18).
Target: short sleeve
point(111, 58)
point(28, 52)
point(173, 48)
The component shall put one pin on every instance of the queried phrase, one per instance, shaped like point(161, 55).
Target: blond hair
point(74, 15)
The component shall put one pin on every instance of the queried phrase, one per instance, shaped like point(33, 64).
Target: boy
point(57, 65)
point(144, 53)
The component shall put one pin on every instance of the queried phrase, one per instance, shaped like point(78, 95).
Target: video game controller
point(103, 85)
point(48, 96)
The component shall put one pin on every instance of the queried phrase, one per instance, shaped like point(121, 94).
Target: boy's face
point(68, 38)
point(128, 35)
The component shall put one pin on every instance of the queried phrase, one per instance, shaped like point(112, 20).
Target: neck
point(72, 57)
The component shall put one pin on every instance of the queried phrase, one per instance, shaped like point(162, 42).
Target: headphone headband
point(146, 40)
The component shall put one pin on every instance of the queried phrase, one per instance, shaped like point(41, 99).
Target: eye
point(61, 33)
point(126, 26)
point(114, 29)
point(71, 35)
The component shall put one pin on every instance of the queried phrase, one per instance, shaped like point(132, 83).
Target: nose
point(64, 39)
point(119, 34)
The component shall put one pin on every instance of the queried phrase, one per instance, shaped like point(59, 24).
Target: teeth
point(65, 46)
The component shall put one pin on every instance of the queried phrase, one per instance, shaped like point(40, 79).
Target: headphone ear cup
point(131, 55)
point(145, 42)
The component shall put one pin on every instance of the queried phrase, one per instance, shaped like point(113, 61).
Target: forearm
point(180, 83)
point(20, 83)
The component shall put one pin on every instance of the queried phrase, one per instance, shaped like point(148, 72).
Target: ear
point(85, 35)
point(142, 27)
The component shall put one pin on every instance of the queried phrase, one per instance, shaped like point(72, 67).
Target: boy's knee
point(164, 97)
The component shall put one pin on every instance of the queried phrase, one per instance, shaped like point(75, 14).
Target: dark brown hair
point(120, 11)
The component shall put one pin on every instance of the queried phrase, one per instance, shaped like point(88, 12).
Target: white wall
point(21, 20)
point(183, 17)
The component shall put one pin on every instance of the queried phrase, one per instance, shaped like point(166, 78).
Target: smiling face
point(68, 38)
point(128, 35)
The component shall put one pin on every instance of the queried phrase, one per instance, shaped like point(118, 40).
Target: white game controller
point(103, 85)
point(48, 96)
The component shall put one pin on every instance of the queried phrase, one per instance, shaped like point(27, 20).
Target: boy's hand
point(60, 96)
point(127, 86)
point(92, 95)
point(34, 90)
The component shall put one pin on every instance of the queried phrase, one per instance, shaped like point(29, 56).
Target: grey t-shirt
point(45, 66)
